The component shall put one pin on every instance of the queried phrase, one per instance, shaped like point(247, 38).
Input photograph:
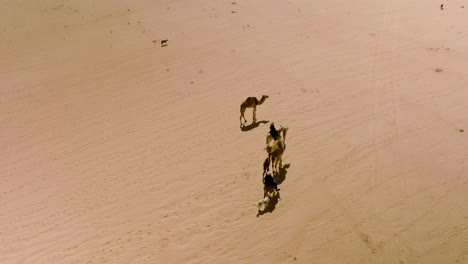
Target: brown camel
point(276, 152)
point(251, 102)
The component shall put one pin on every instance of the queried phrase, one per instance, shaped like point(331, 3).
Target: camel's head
point(284, 130)
point(265, 96)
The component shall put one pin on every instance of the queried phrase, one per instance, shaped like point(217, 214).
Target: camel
point(251, 102)
point(276, 152)
point(270, 189)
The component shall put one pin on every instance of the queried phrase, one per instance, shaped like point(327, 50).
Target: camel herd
point(275, 150)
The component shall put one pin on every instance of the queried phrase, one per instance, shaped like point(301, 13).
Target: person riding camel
point(273, 132)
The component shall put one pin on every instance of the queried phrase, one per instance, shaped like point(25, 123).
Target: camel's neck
point(262, 100)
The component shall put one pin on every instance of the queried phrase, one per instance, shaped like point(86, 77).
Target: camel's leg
point(242, 116)
point(245, 120)
point(273, 162)
point(255, 114)
point(280, 161)
point(276, 164)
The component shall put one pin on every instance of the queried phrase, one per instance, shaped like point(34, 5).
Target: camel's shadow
point(253, 125)
point(271, 205)
point(281, 175)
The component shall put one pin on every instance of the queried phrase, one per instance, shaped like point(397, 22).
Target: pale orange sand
point(117, 150)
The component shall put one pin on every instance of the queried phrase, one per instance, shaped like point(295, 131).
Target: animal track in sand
point(304, 90)
point(441, 48)
point(369, 243)
point(246, 174)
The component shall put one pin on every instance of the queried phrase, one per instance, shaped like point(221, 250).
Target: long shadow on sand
point(271, 205)
point(253, 125)
point(281, 176)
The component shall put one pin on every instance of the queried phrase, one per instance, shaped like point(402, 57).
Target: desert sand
point(117, 150)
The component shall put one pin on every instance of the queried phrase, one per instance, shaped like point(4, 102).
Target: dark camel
point(251, 102)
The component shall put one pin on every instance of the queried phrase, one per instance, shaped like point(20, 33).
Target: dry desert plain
point(117, 150)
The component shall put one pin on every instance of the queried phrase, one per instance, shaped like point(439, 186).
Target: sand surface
point(117, 150)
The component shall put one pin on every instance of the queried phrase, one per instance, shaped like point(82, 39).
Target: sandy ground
point(117, 150)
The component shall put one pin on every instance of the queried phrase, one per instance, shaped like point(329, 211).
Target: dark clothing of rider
point(273, 132)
